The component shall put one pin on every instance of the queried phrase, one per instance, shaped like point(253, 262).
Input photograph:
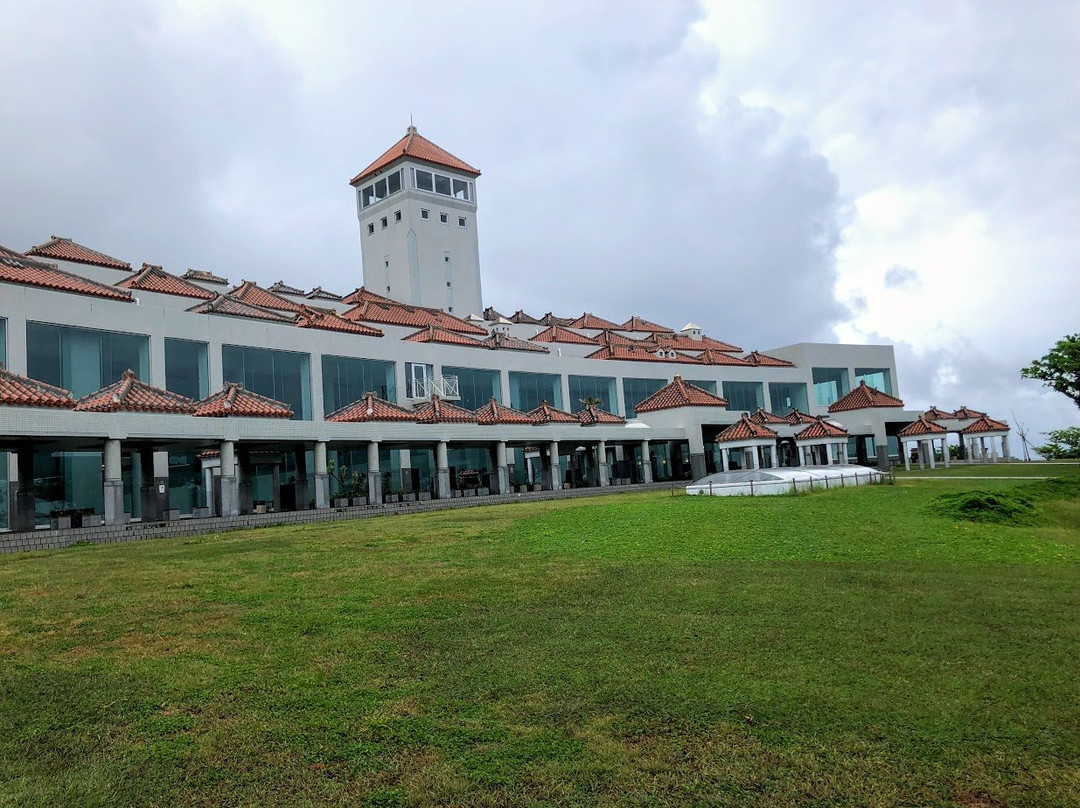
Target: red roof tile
point(763, 416)
point(551, 319)
point(591, 321)
point(714, 357)
point(153, 278)
point(759, 359)
point(375, 308)
point(820, 429)
point(328, 320)
point(934, 414)
point(863, 397)
point(966, 412)
point(318, 293)
point(417, 147)
point(251, 292)
point(17, 268)
point(492, 314)
point(984, 424)
point(205, 276)
point(64, 249)
point(591, 415)
point(615, 338)
point(282, 288)
point(505, 342)
point(923, 426)
point(494, 413)
point(546, 414)
point(795, 417)
point(370, 408)
point(679, 393)
point(444, 336)
point(558, 333)
point(224, 304)
point(636, 323)
point(20, 391)
point(234, 401)
point(645, 353)
point(684, 343)
point(744, 429)
point(437, 411)
point(361, 294)
point(131, 395)
point(521, 318)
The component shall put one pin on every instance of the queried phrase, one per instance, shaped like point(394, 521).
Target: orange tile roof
point(744, 429)
point(328, 320)
point(505, 342)
point(361, 294)
point(131, 395)
point(20, 391)
point(714, 357)
point(17, 268)
point(591, 321)
point(494, 413)
point(636, 323)
point(558, 333)
point(966, 412)
point(615, 338)
point(985, 424)
point(370, 408)
point(934, 414)
point(645, 353)
point(922, 426)
point(492, 314)
point(521, 318)
point(763, 416)
point(685, 343)
point(417, 147)
point(375, 308)
point(551, 319)
point(759, 359)
point(152, 278)
point(863, 397)
point(205, 276)
point(282, 288)
point(820, 429)
point(64, 249)
point(444, 336)
point(224, 304)
point(795, 417)
point(318, 293)
point(546, 414)
point(251, 292)
point(234, 401)
point(679, 393)
point(592, 415)
point(437, 411)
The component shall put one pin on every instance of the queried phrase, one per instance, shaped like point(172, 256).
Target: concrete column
point(1005, 448)
point(442, 472)
point(564, 386)
point(500, 481)
point(154, 490)
point(751, 453)
point(552, 474)
point(113, 485)
point(303, 496)
point(244, 483)
point(646, 463)
point(844, 453)
point(993, 451)
point(230, 486)
point(374, 477)
point(24, 501)
point(906, 452)
point(697, 466)
point(603, 472)
point(930, 453)
point(322, 476)
point(945, 451)
point(776, 456)
point(982, 449)
point(830, 456)
point(725, 458)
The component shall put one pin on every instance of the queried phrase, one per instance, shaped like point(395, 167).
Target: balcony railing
point(441, 386)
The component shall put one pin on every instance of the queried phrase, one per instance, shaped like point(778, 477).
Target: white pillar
point(1005, 448)
point(374, 477)
point(906, 450)
point(113, 485)
point(775, 456)
point(830, 455)
point(646, 463)
point(753, 464)
point(442, 471)
point(725, 455)
point(993, 451)
point(603, 474)
point(230, 489)
point(930, 455)
point(501, 480)
point(322, 477)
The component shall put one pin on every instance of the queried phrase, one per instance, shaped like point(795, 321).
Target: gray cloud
point(898, 277)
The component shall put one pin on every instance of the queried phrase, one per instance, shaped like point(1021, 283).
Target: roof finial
point(412, 129)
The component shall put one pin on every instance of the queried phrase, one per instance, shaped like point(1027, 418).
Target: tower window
point(461, 221)
point(397, 215)
point(384, 222)
point(444, 218)
point(425, 213)
point(371, 228)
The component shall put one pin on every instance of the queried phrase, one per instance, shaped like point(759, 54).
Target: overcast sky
point(777, 172)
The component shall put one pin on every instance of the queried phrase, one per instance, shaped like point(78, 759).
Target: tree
point(1064, 444)
point(1060, 368)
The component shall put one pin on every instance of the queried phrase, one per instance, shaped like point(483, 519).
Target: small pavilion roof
point(417, 147)
point(796, 417)
point(591, 321)
point(152, 278)
point(251, 292)
point(318, 293)
point(506, 342)
point(615, 338)
point(821, 428)
point(964, 413)
point(443, 335)
point(494, 413)
point(745, 430)
point(546, 414)
point(713, 357)
point(559, 333)
point(437, 411)
point(17, 268)
point(591, 415)
point(370, 407)
point(679, 393)
point(644, 353)
point(636, 323)
point(230, 306)
point(923, 425)
point(21, 391)
point(131, 395)
point(282, 288)
point(759, 359)
point(64, 249)
point(492, 314)
point(685, 343)
point(234, 400)
point(935, 414)
point(205, 276)
point(329, 320)
point(863, 397)
point(984, 423)
point(763, 416)
point(551, 319)
point(519, 317)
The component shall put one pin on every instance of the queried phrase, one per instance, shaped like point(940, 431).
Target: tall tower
point(417, 209)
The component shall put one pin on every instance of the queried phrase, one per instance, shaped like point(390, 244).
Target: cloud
point(898, 277)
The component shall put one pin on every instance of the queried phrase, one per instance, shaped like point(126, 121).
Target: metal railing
point(441, 386)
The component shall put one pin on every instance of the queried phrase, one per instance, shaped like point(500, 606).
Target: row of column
point(833, 454)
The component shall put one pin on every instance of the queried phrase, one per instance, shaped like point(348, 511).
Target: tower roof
point(418, 147)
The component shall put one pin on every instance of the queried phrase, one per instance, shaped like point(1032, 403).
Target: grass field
point(850, 647)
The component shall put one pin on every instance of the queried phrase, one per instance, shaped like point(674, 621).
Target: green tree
point(1064, 444)
point(1060, 368)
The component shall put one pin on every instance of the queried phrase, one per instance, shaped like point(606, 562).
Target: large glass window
point(83, 360)
point(880, 378)
point(744, 396)
point(441, 184)
point(785, 395)
point(636, 390)
point(475, 386)
point(830, 384)
point(185, 368)
point(281, 375)
point(381, 188)
point(704, 384)
point(345, 380)
point(527, 390)
point(599, 390)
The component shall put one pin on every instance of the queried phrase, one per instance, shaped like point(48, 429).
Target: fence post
point(751, 488)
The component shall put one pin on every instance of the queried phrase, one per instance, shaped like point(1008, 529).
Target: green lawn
point(839, 648)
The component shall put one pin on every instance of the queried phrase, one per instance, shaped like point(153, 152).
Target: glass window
point(744, 396)
point(383, 222)
point(393, 183)
point(704, 384)
point(879, 378)
point(829, 385)
point(635, 390)
point(417, 379)
point(397, 215)
point(186, 368)
point(461, 221)
point(281, 375)
point(425, 213)
point(367, 196)
point(598, 390)
point(461, 189)
point(83, 360)
point(475, 386)
point(371, 228)
point(346, 380)
point(442, 185)
point(527, 390)
point(425, 181)
point(380, 189)
point(444, 218)
point(785, 395)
